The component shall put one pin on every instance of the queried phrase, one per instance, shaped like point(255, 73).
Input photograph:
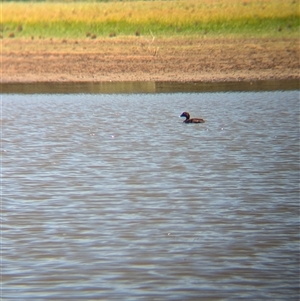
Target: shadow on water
point(146, 87)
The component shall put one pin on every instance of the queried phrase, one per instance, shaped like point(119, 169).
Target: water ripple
point(110, 197)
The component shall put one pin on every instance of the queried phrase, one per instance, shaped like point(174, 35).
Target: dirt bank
point(147, 59)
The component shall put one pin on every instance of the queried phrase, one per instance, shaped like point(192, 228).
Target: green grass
point(261, 18)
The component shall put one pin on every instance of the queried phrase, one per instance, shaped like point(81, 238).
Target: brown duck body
point(191, 120)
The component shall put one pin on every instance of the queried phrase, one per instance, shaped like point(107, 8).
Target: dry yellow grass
point(160, 17)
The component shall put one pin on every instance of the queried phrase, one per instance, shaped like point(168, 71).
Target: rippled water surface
point(108, 197)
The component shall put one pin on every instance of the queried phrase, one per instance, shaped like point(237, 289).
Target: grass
point(160, 18)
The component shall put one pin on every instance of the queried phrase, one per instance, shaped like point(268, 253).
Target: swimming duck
point(191, 120)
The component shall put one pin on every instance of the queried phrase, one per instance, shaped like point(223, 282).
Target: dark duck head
point(191, 120)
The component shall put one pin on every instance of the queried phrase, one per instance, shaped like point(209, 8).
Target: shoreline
point(182, 60)
point(147, 87)
point(140, 78)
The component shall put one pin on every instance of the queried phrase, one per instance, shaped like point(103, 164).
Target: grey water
point(112, 196)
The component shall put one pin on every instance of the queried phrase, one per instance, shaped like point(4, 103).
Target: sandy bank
point(147, 59)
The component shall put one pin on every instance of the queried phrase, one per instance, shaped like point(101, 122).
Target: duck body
point(191, 120)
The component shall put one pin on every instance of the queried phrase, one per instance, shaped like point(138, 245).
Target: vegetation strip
point(257, 18)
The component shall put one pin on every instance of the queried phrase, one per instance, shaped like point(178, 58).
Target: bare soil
point(149, 59)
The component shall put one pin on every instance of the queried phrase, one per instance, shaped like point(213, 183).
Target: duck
point(191, 120)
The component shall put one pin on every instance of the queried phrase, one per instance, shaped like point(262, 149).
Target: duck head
point(186, 115)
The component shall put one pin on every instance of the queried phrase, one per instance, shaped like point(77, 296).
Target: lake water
point(113, 197)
